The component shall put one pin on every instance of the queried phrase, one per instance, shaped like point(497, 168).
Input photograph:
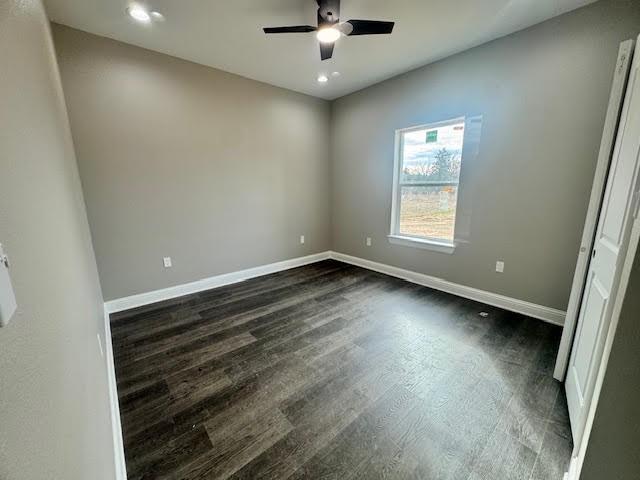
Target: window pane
point(432, 154)
point(429, 174)
point(428, 211)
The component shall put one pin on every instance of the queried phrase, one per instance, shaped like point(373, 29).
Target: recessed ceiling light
point(328, 34)
point(138, 13)
point(335, 74)
point(157, 15)
point(323, 79)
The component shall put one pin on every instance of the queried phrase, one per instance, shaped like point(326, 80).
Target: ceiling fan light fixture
point(330, 28)
point(328, 34)
point(138, 13)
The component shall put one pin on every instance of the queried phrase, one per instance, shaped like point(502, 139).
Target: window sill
point(442, 247)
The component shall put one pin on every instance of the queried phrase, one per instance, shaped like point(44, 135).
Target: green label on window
point(432, 136)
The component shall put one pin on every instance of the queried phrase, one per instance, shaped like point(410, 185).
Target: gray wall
point(54, 412)
point(612, 453)
point(219, 172)
point(543, 94)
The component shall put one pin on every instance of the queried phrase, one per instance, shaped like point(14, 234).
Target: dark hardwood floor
point(333, 371)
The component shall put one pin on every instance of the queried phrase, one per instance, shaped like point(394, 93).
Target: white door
point(614, 110)
point(619, 206)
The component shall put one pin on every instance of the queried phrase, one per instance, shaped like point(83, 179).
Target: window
point(427, 174)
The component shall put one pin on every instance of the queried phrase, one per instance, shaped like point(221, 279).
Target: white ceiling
point(227, 34)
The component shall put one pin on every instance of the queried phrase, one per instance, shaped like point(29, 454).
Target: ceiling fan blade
point(294, 29)
point(326, 50)
point(370, 27)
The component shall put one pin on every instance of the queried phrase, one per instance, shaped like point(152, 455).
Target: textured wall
point(54, 412)
point(542, 94)
point(219, 172)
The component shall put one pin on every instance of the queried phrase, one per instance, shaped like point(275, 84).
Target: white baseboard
point(547, 314)
point(141, 299)
point(118, 444)
point(541, 312)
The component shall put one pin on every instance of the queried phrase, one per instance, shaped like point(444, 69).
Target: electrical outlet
point(301, 239)
point(167, 262)
point(368, 241)
point(499, 266)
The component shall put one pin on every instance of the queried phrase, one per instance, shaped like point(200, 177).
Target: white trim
point(540, 312)
point(423, 243)
point(616, 98)
point(432, 125)
point(633, 243)
point(396, 190)
point(572, 473)
point(126, 303)
point(118, 445)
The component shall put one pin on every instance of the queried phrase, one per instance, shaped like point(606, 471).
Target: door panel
point(605, 261)
point(623, 176)
point(595, 304)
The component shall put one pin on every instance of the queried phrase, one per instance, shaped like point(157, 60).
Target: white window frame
point(395, 237)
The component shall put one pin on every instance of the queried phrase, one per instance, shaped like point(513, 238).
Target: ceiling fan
point(330, 28)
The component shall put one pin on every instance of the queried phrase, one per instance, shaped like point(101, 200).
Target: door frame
point(612, 120)
point(631, 250)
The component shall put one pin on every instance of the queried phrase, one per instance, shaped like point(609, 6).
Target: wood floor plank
point(553, 459)
point(263, 308)
point(333, 371)
point(364, 447)
point(313, 431)
point(173, 362)
point(234, 449)
point(172, 456)
point(504, 457)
